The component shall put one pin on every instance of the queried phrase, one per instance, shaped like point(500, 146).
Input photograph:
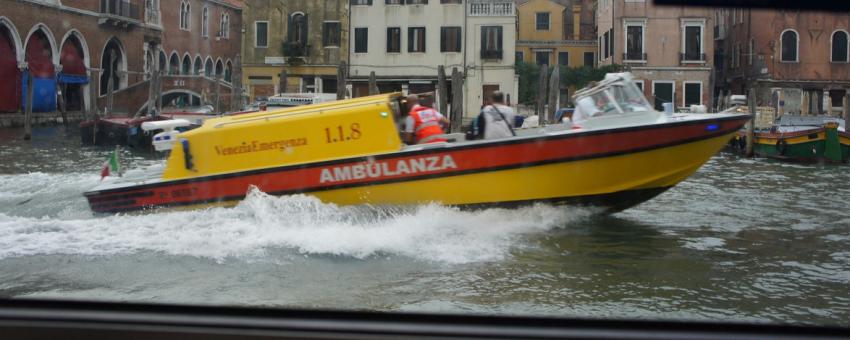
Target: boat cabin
point(617, 94)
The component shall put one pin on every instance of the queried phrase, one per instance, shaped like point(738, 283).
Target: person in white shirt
point(497, 119)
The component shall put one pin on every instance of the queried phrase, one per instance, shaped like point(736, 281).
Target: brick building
point(70, 46)
point(797, 62)
point(665, 47)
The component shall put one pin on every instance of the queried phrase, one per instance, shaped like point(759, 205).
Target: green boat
point(800, 139)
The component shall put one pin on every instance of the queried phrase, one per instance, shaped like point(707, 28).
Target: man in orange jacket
point(422, 124)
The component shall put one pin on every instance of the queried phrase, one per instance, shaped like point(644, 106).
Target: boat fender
point(187, 157)
point(782, 146)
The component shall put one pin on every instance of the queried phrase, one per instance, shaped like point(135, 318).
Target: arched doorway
point(186, 67)
point(228, 72)
point(115, 69)
point(10, 87)
point(73, 75)
point(208, 68)
point(176, 99)
point(39, 57)
point(198, 66)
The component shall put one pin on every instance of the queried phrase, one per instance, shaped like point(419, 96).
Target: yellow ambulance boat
point(349, 152)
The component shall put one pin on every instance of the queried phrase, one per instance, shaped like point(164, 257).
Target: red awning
point(71, 59)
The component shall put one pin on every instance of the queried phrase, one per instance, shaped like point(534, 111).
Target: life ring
point(781, 146)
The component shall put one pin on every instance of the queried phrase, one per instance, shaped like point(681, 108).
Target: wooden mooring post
point(28, 112)
point(751, 97)
point(60, 89)
point(341, 80)
point(110, 83)
point(846, 112)
point(373, 84)
point(456, 117)
point(217, 93)
point(442, 89)
point(554, 85)
point(541, 92)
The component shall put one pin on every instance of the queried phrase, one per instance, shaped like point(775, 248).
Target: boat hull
point(614, 169)
point(815, 145)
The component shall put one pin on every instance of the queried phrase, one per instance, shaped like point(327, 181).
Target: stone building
point(72, 44)
point(665, 47)
point(405, 41)
point(796, 61)
point(306, 39)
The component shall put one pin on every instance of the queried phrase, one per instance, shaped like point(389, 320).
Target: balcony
point(692, 57)
point(634, 57)
point(491, 54)
point(483, 8)
point(118, 13)
point(152, 16)
point(295, 51)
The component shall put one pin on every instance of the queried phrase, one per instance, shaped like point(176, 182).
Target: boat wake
point(300, 225)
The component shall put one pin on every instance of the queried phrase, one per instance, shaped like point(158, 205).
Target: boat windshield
point(629, 97)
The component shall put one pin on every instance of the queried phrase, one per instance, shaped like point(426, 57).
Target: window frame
point(634, 22)
point(673, 93)
point(326, 34)
point(444, 48)
point(564, 53)
point(185, 16)
point(537, 21)
point(685, 92)
point(832, 47)
point(548, 57)
point(398, 43)
point(361, 2)
point(410, 40)
point(205, 22)
point(782, 46)
point(519, 56)
point(224, 26)
point(257, 35)
point(500, 43)
point(684, 27)
point(592, 59)
point(365, 43)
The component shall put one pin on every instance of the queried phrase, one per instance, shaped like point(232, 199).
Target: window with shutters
point(491, 42)
point(361, 40)
point(450, 39)
point(330, 34)
point(416, 39)
point(393, 40)
point(261, 34)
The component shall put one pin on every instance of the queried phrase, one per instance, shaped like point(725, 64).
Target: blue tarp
point(72, 79)
point(44, 98)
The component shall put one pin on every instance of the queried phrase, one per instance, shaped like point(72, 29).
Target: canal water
point(741, 240)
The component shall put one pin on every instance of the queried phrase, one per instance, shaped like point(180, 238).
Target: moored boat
point(349, 152)
point(801, 139)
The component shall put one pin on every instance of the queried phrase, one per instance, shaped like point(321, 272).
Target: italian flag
point(111, 166)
